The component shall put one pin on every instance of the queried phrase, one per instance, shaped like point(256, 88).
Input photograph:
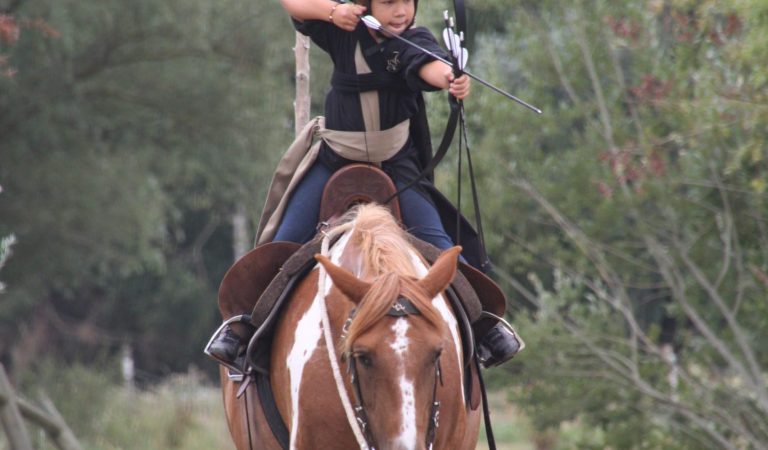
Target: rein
point(357, 430)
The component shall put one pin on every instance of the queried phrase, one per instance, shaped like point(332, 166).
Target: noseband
point(402, 307)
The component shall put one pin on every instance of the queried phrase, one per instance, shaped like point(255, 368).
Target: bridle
point(402, 307)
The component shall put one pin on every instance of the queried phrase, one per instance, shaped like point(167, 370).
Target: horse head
point(393, 345)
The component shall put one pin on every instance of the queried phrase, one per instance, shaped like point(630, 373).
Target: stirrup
point(508, 326)
point(237, 368)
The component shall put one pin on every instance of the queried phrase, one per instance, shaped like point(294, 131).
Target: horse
point(385, 371)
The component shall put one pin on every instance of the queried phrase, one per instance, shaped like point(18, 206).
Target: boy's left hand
point(458, 87)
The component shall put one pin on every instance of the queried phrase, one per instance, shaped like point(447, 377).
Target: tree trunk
point(240, 241)
point(302, 103)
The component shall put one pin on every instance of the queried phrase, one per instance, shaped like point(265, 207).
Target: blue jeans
point(303, 210)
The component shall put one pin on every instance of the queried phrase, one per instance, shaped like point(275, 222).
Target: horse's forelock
point(384, 291)
point(374, 306)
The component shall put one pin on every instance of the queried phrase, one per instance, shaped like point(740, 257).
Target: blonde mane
point(382, 243)
point(387, 259)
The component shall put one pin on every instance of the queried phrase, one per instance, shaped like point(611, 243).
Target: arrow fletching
point(453, 44)
point(371, 22)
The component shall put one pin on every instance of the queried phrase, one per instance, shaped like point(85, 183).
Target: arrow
point(372, 23)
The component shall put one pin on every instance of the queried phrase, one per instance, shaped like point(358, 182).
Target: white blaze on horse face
point(400, 343)
point(407, 437)
point(306, 340)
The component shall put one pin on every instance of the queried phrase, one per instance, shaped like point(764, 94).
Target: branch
point(621, 78)
point(689, 411)
point(529, 296)
point(676, 282)
point(730, 238)
point(556, 62)
point(756, 376)
point(200, 240)
point(597, 87)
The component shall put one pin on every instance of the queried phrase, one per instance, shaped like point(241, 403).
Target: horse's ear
point(351, 286)
point(442, 272)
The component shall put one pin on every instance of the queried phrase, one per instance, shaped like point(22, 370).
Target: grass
point(185, 412)
point(511, 428)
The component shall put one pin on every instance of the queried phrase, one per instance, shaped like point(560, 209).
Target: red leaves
point(629, 167)
point(650, 90)
point(624, 28)
point(732, 25)
point(10, 33)
point(10, 30)
point(685, 26)
point(725, 29)
point(44, 27)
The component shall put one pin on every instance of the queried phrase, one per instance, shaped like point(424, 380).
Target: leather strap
point(486, 410)
point(442, 150)
point(268, 405)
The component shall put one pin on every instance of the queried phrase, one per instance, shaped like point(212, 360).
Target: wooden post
point(302, 103)
point(63, 436)
point(10, 416)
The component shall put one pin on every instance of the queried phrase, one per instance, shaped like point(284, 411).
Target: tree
point(128, 142)
point(633, 215)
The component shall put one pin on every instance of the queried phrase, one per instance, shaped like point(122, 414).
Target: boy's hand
point(458, 87)
point(347, 15)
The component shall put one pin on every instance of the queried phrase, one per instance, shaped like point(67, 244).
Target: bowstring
point(449, 26)
point(463, 141)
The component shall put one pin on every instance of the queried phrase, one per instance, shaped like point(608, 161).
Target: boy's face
point(394, 15)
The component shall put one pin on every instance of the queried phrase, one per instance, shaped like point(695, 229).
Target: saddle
point(345, 189)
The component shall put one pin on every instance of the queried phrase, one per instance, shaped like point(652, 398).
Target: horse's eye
point(364, 359)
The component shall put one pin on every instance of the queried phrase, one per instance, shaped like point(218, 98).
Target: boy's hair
point(367, 4)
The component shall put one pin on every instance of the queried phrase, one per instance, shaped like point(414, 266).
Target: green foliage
point(630, 216)
point(131, 134)
point(179, 414)
point(81, 393)
point(182, 412)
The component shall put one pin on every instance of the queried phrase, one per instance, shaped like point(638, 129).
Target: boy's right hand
point(347, 15)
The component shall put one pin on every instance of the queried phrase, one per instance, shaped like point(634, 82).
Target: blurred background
point(628, 224)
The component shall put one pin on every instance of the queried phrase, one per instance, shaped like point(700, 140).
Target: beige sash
point(373, 145)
